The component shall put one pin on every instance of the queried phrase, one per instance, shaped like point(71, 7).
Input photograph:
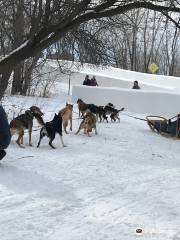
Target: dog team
point(89, 113)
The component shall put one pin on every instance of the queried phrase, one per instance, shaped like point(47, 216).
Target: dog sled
point(167, 127)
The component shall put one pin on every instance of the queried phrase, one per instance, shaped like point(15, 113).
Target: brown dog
point(66, 114)
point(25, 121)
point(88, 123)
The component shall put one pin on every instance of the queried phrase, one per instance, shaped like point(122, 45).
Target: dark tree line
point(28, 27)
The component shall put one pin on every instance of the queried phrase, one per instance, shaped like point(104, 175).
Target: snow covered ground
point(99, 188)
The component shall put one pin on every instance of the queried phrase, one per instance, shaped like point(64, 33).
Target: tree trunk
point(4, 78)
point(28, 71)
point(18, 39)
point(17, 79)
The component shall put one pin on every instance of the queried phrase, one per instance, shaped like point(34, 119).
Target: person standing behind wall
point(87, 81)
point(94, 82)
point(136, 85)
point(5, 134)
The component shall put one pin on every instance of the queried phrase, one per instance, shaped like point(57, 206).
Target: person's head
point(136, 82)
point(87, 77)
point(93, 78)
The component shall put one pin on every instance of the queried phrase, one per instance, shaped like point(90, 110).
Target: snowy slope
point(100, 188)
point(114, 77)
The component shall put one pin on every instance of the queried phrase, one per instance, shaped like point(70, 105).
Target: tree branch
point(55, 32)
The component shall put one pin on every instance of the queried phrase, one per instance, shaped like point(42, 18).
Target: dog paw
point(21, 146)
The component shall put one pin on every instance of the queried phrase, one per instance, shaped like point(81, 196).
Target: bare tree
point(141, 37)
point(50, 20)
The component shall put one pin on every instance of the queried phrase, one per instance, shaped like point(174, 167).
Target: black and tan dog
point(113, 112)
point(50, 129)
point(115, 115)
point(97, 110)
point(25, 121)
point(88, 123)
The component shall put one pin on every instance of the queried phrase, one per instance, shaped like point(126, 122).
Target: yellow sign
point(153, 68)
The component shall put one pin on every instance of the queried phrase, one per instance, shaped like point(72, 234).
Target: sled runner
point(168, 127)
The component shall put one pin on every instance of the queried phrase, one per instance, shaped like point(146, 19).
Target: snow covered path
point(100, 188)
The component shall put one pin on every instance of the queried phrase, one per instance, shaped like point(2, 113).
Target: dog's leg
point(100, 117)
point(40, 137)
point(51, 138)
point(65, 124)
point(18, 141)
point(113, 117)
point(50, 143)
point(105, 117)
point(78, 130)
point(62, 142)
point(88, 132)
point(117, 117)
point(96, 117)
point(82, 114)
point(80, 127)
point(22, 140)
point(85, 130)
point(30, 133)
point(71, 123)
point(95, 130)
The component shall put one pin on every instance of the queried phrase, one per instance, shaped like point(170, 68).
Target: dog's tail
point(39, 119)
point(122, 109)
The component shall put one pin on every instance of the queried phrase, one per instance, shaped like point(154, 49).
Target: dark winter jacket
point(136, 87)
point(87, 82)
point(5, 134)
point(94, 82)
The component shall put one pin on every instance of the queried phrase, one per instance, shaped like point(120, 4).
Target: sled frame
point(151, 119)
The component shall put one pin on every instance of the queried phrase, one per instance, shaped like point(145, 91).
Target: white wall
point(138, 101)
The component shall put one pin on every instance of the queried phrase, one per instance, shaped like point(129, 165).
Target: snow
point(103, 187)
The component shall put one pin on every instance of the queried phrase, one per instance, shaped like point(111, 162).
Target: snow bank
point(138, 101)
